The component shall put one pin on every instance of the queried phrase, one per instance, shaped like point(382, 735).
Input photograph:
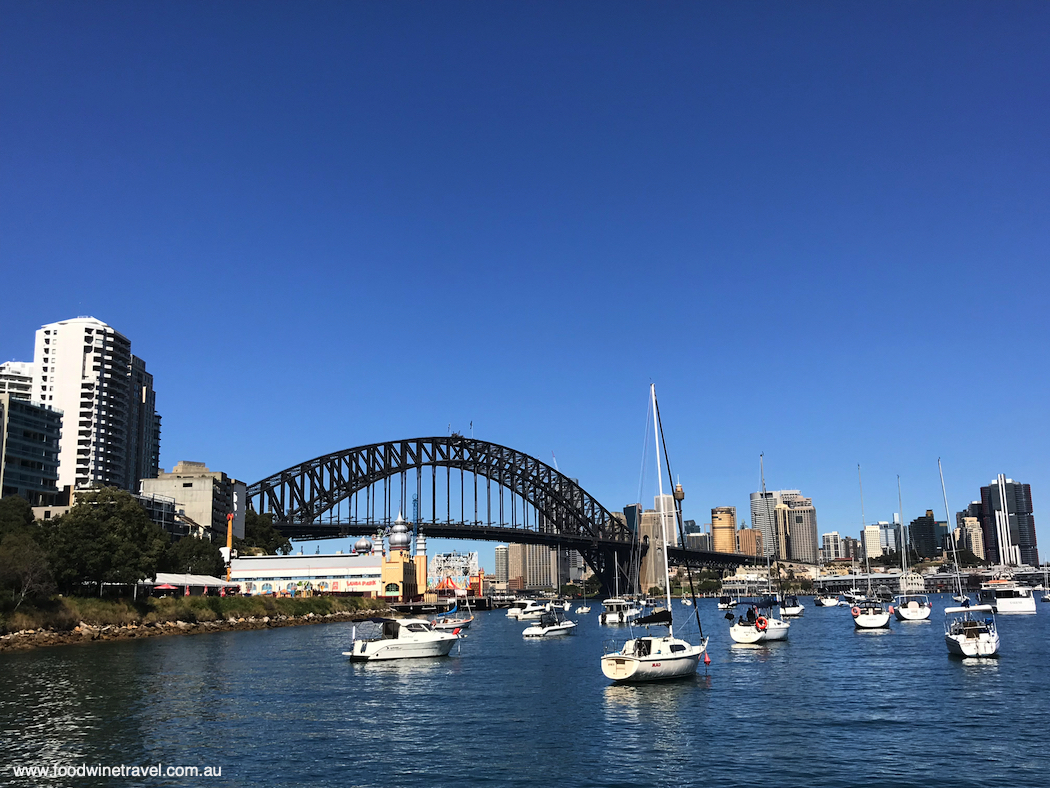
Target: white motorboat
point(526, 610)
point(727, 603)
point(657, 658)
point(1007, 596)
point(550, 625)
point(912, 607)
point(870, 614)
point(763, 623)
point(408, 638)
point(791, 607)
point(968, 635)
point(687, 602)
point(617, 610)
point(826, 600)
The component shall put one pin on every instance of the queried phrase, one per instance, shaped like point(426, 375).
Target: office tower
point(797, 528)
point(29, 440)
point(923, 535)
point(204, 498)
point(832, 546)
point(889, 535)
point(516, 571)
point(1009, 527)
point(762, 505)
point(633, 514)
point(111, 430)
point(691, 527)
point(698, 541)
point(850, 548)
point(16, 379)
point(538, 566)
point(970, 537)
point(749, 541)
point(502, 563)
point(723, 529)
point(872, 537)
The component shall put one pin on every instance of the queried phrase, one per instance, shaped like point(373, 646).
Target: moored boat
point(912, 607)
point(968, 635)
point(408, 638)
point(550, 625)
point(1007, 596)
point(870, 614)
point(763, 623)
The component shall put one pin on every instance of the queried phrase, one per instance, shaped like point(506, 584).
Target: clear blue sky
point(820, 228)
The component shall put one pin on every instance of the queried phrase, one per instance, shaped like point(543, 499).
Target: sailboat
point(655, 658)
point(451, 622)
point(617, 609)
point(868, 612)
point(909, 605)
point(959, 597)
point(764, 620)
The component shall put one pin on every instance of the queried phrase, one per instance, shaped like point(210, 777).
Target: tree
point(105, 538)
point(16, 515)
point(195, 556)
point(24, 568)
point(259, 534)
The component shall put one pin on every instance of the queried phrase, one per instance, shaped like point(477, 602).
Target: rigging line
point(645, 451)
point(678, 515)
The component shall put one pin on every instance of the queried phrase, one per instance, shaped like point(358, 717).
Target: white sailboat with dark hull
point(657, 657)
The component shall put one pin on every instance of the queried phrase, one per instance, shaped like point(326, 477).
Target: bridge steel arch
point(299, 498)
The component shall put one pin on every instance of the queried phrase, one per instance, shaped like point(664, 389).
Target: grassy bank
point(65, 613)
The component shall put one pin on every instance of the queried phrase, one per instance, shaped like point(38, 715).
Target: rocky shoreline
point(87, 633)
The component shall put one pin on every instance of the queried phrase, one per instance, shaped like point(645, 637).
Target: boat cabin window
point(676, 647)
point(390, 629)
point(418, 627)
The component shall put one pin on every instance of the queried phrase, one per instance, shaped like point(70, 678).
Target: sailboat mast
point(948, 520)
point(863, 528)
point(900, 511)
point(769, 521)
point(660, 487)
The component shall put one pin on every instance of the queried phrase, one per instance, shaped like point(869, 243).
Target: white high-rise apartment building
point(111, 430)
point(832, 546)
point(502, 563)
point(16, 379)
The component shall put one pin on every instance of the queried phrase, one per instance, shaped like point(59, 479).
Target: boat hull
point(986, 645)
point(625, 668)
point(558, 630)
point(872, 620)
point(750, 634)
point(379, 650)
point(909, 613)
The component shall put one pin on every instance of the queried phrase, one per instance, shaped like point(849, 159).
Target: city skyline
point(332, 227)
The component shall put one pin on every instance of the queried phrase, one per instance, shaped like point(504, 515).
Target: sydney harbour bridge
point(455, 487)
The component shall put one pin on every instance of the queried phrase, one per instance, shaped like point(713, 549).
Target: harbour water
point(829, 707)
